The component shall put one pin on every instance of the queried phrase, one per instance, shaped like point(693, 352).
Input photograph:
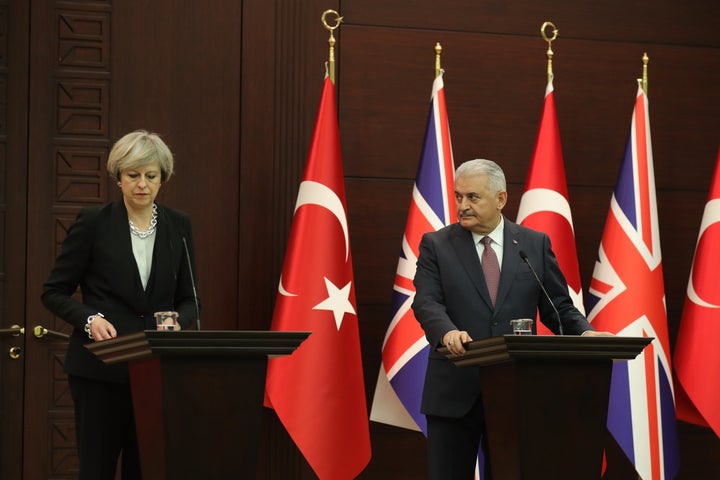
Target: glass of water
point(167, 321)
point(522, 326)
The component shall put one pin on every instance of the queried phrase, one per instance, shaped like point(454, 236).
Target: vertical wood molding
point(69, 137)
point(14, 54)
point(284, 53)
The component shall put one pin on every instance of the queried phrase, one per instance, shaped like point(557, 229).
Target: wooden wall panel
point(495, 66)
point(383, 110)
point(69, 109)
point(176, 71)
point(640, 21)
point(234, 88)
point(284, 50)
point(14, 48)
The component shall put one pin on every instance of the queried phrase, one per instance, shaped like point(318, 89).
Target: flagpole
point(645, 60)
point(549, 40)
point(438, 51)
point(331, 40)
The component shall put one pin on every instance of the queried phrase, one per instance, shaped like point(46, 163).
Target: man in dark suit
point(458, 301)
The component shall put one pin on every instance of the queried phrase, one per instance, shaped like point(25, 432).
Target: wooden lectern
point(198, 397)
point(546, 401)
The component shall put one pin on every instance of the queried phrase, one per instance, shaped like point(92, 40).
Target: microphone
point(192, 282)
point(524, 256)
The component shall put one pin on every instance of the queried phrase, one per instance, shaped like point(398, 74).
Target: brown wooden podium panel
point(546, 401)
point(198, 397)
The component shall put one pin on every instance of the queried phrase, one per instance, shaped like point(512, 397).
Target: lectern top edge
point(508, 347)
point(247, 343)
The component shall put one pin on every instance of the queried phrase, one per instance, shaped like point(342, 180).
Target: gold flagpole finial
point(645, 60)
point(549, 40)
point(331, 40)
point(438, 51)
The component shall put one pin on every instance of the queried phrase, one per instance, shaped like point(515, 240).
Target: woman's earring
point(119, 184)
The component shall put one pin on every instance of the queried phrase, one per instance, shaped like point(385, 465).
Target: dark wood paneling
point(494, 104)
point(376, 210)
point(284, 49)
point(401, 456)
point(699, 452)
point(14, 48)
point(67, 140)
point(234, 88)
point(176, 71)
point(495, 64)
point(258, 260)
point(639, 21)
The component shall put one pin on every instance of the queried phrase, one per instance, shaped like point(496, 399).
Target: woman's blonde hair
point(140, 148)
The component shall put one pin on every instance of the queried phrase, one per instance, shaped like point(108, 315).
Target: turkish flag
point(697, 358)
point(545, 205)
point(318, 392)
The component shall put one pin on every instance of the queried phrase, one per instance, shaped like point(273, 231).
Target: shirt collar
point(496, 235)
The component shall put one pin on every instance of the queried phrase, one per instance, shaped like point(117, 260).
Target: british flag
point(405, 349)
point(627, 297)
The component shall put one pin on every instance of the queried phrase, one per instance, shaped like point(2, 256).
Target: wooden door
point(14, 44)
point(36, 440)
point(68, 142)
point(65, 97)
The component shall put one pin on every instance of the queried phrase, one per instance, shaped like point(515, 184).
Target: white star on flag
point(327, 382)
point(338, 301)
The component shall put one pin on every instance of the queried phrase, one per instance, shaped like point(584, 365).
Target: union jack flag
point(405, 349)
point(627, 297)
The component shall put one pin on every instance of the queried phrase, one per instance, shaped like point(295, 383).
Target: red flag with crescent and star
point(318, 392)
point(545, 204)
point(697, 358)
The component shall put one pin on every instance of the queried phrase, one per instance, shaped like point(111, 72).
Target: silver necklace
point(151, 229)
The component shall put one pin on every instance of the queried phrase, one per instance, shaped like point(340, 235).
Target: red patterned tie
point(491, 268)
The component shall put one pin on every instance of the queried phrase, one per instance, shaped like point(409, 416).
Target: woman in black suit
point(129, 259)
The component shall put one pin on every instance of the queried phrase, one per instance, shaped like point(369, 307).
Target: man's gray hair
point(479, 166)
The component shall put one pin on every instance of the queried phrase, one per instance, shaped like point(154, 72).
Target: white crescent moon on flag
point(315, 193)
point(284, 292)
point(710, 217)
point(550, 200)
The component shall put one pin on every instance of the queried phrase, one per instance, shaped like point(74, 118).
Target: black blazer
point(451, 293)
point(97, 256)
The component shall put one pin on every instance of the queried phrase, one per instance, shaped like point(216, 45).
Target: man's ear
point(502, 199)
